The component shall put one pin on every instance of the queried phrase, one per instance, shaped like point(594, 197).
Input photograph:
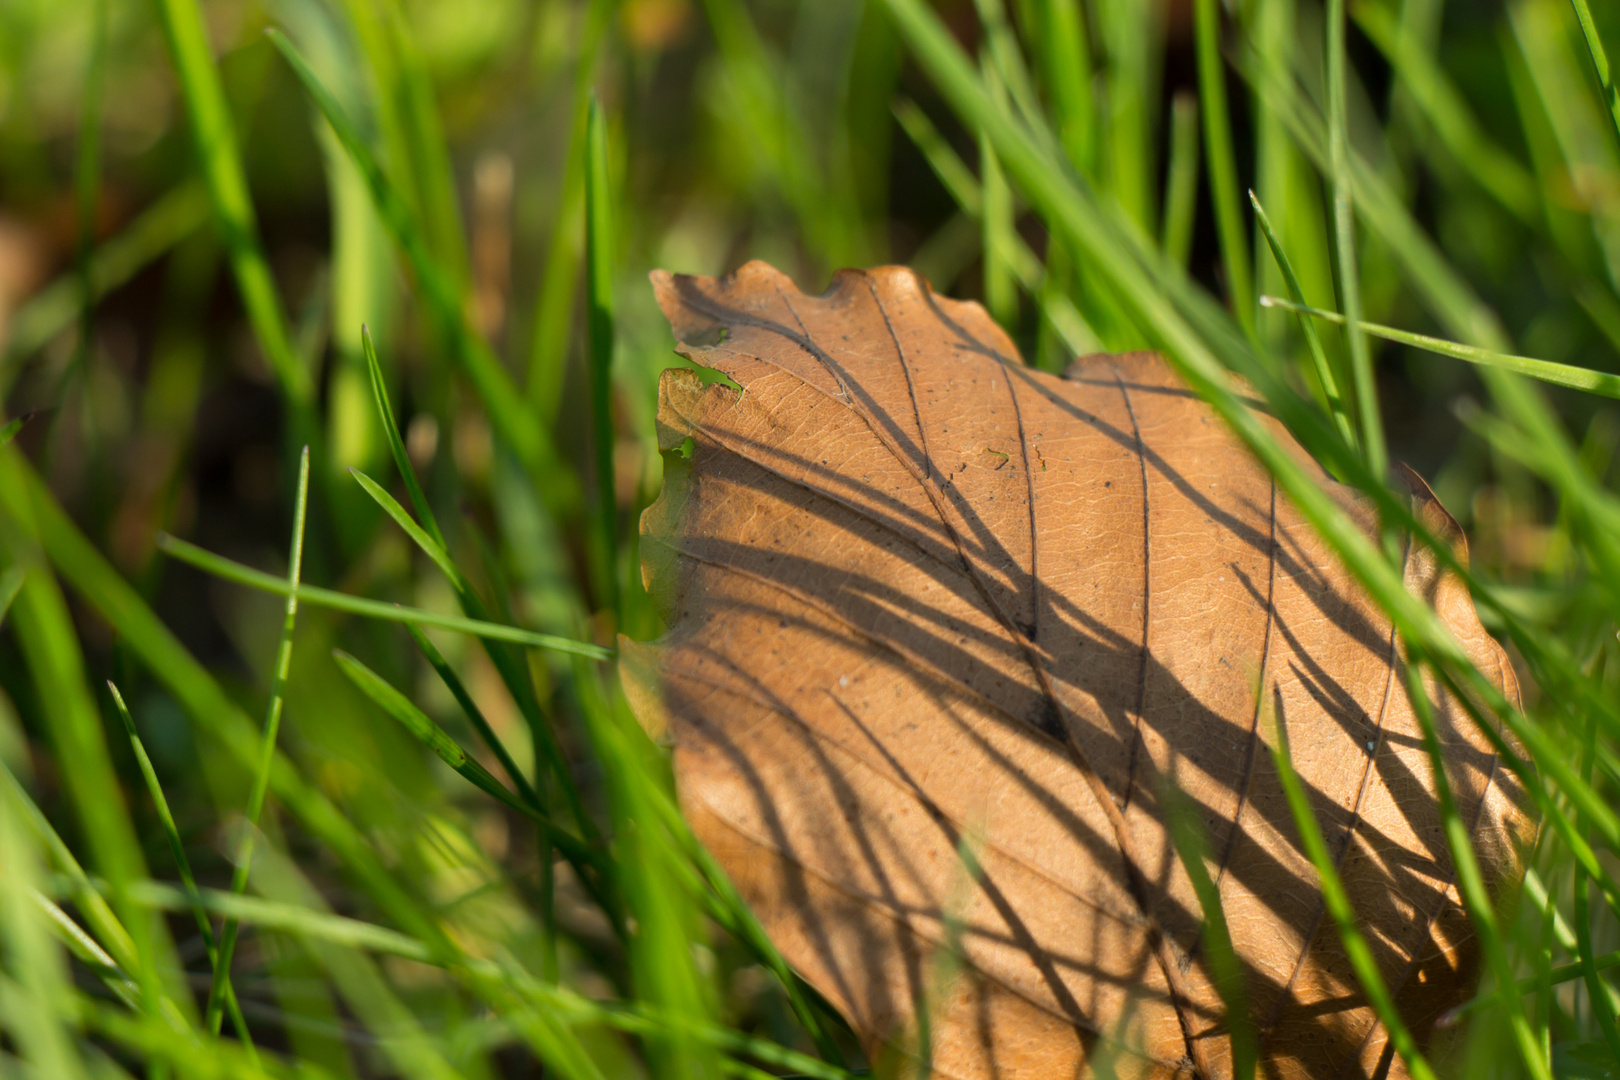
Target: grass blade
point(1181, 180)
point(430, 546)
point(9, 431)
point(1223, 181)
point(1192, 847)
point(599, 262)
point(1337, 902)
point(507, 410)
point(1319, 358)
point(11, 583)
point(1593, 382)
point(1600, 59)
point(375, 609)
point(272, 727)
point(1344, 234)
point(178, 849)
point(221, 162)
point(1471, 882)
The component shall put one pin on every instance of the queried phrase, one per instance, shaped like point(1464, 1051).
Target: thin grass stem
point(272, 728)
point(1600, 60)
point(599, 263)
point(1222, 160)
point(1181, 181)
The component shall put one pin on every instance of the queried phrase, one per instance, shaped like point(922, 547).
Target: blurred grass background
point(195, 227)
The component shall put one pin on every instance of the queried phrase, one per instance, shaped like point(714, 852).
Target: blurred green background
point(188, 253)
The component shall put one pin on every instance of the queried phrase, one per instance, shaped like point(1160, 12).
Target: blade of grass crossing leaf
point(508, 412)
point(1193, 848)
point(1337, 902)
point(176, 847)
point(1600, 60)
point(1471, 882)
point(272, 727)
point(1166, 304)
point(1577, 378)
point(1324, 369)
point(1181, 180)
point(1344, 233)
point(1223, 181)
point(376, 609)
point(221, 163)
point(599, 263)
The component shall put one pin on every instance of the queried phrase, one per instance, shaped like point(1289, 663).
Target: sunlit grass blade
point(1470, 880)
point(1600, 59)
point(375, 609)
point(1598, 994)
point(1577, 378)
point(1370, 420)
point(195, 1059)
point(220, 159)
point(1000, 295)
point(1192, 848)
point(1223, 181)
point(1181, 181)
point(599, 263)
point(507, 409)
point(1066, 51)
point(272, 727)
point(1337, 902)
point(178, 849)
point(1324, 369)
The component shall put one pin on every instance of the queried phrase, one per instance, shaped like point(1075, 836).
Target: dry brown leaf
point(923, 600)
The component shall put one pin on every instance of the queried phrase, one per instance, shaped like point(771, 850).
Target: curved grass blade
point(178, 849)
point(312, 594)
point(1576, 378)
point(272, 727)
point(1324, 369)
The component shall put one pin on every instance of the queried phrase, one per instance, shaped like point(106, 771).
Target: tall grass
point(451, 851)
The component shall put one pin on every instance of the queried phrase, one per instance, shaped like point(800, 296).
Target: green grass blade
point(221, 162)
point(1068, 78)
point(430, 734)
point(957, 178)
point(1324, 370)
point(272, 728)
point(1597, 991)
point(475, 716)
point(1226, 969)
point(375, 609)
point(1181, 180)
point(1600, 60)
point(599, 263)
point(1337, 902)
point(178, 849)
point(396, 445)
point(1577, 378)
point(1000, 295)
point(1471, 882)
point(11, 582)
point(430, 546)
point(1223, 181)
point(1344, 233)
point(9, 431)
point(508, 413)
